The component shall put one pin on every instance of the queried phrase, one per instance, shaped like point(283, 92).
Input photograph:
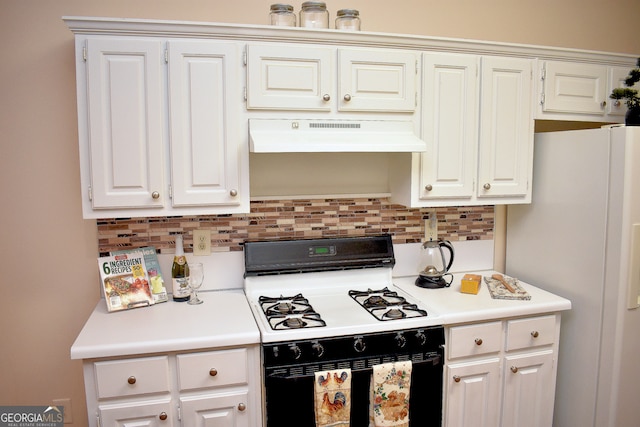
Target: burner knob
point(318, 349)
point(295, 351)
point(276, 352)
point(421, 337)
point(401, 340)
point(359, 345)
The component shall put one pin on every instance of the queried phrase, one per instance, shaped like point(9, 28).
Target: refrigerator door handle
point(634, 269)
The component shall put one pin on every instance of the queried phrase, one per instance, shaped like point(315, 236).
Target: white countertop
point(452, 306)
point(224, 319)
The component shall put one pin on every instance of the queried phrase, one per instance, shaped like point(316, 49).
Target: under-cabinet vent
point(334, 125)
point(325, 136)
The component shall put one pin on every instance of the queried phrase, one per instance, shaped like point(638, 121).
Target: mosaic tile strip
point(281, 219)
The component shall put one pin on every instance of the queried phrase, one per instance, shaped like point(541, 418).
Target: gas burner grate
point(293, 312)
point(385, 304)
point(296, 321)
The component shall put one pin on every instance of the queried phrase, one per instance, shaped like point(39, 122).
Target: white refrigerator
point(580, 239)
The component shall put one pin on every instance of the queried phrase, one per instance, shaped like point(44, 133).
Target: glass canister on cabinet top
point(282, 15)
point(314, 14)
point(348, 20)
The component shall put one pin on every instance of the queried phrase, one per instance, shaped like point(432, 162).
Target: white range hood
point(318, 136)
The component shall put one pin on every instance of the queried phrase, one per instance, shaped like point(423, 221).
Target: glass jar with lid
point(314, 14)
point(282, 15)
point(348, 19)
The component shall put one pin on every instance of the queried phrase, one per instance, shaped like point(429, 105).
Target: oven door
point(290, 399)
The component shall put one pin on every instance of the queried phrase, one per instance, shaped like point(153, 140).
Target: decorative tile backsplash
point(280, 219)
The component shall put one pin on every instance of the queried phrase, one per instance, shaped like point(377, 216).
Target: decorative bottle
point(180, 273)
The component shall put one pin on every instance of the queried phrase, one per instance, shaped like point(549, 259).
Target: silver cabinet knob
point(456, 378)
point(131, 380)
point(603, 104)
point(326, 97)
point(347, 97)
point(487, 186)
point(233, 193)
point(213, 372)
point(514, 369)
point(535, 334)
point(163, 416)
point(428, 187)
point(241, 407)
point(155, 195)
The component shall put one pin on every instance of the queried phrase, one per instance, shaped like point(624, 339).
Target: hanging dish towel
point(333, 398)
point(498, 291)
point(390, 386)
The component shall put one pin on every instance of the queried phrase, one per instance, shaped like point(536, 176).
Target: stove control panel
point(376, 346)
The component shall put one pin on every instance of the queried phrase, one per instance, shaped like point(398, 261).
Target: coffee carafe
point(434, 267)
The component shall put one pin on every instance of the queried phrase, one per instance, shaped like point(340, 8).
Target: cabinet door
point(528, 390)
point(376, 80)
point(156, 413)
point(473, 394)
point(506, 128)
point(224, 410)
point(290, 78)
point(125, 115)
point(204, 96)
point(574, 88)
point(450, 111)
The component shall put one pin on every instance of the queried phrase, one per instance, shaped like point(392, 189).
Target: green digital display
point(322, 251)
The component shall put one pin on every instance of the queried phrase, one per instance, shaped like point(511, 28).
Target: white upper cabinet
point(377, 80)
point(450, 126)
point(505, 159)
point(203, 80)
point(574, 88)
point(312, 78)
point(289, 78)
point(124, 120)
point(158, 140)
point(477, 122)
point(580, 92)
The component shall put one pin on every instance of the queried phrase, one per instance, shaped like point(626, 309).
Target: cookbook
point(158, 289)
point(125, 281)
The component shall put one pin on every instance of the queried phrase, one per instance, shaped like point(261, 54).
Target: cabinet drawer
point(523, 333)
point(473, 340)
point(132, 376)
point(212, 369)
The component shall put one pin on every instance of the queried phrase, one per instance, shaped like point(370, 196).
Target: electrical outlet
point(68, 412)
point(431, 226)
point(201, 242)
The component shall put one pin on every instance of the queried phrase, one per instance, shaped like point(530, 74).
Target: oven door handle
point(433, 359)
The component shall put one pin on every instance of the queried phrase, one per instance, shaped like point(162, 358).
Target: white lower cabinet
point(215, 410)
point(217, 388)
point(474, 389)
point(137, 414)
point(501, 373)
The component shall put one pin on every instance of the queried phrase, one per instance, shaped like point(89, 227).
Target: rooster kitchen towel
point(333, 398)
point(390, 385)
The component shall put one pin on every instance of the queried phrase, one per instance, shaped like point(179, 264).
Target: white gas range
point(331, 303)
